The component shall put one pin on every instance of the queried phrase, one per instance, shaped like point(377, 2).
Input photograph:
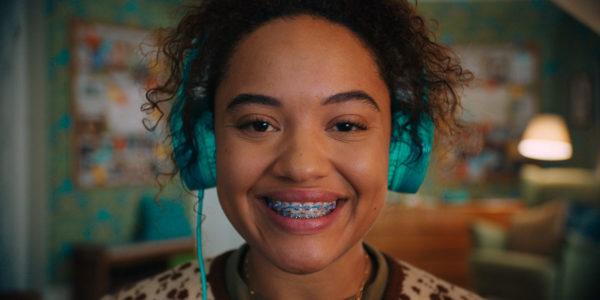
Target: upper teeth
point(304, 210)
point(303, 206)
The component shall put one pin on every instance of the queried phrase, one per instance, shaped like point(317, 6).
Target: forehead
point(303, 55)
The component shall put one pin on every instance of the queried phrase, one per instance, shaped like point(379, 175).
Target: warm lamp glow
point(546, 138)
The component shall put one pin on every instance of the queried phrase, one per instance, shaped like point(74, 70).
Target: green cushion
point(487, 235)
point(163, 221)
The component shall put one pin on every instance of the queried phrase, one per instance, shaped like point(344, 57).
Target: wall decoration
point(500, 102)
point(110, 76)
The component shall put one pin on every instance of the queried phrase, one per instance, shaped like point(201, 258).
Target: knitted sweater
point(183, 282)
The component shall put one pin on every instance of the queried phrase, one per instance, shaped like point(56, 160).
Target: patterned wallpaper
point(98, 215)
point(106, 215)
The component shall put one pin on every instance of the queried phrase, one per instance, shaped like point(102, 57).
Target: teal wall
point(97, 215)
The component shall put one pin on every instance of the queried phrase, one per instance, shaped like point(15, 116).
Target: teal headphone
point(196, 154)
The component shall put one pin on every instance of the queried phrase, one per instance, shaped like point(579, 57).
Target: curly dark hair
point(421, 75)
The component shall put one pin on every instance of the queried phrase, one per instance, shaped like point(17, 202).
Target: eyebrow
point(244, 99)
point(351, 96)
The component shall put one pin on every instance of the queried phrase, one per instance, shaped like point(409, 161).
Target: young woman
point(304, 99)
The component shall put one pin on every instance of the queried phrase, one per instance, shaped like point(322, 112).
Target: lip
point(301, 226)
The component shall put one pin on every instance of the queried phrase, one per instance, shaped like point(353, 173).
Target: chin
point(304, 255)
point(304, 263)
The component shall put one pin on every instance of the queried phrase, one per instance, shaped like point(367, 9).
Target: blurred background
point(518, 219)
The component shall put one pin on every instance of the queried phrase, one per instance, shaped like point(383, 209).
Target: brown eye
point(260, 126)
point(348, 126)
point(257, 125)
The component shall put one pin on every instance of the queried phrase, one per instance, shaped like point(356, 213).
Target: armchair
point(549, 251)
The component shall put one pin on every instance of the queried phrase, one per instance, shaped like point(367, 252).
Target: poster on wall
point(500, 101)
point(110, 74)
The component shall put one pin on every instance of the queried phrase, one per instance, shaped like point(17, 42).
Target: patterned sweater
point(183, 282)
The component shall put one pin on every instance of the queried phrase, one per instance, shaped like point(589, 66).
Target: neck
point(342, 278)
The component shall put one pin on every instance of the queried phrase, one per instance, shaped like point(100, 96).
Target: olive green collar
point(237, 288)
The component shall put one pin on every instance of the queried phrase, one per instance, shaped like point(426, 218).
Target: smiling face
point(302, 126)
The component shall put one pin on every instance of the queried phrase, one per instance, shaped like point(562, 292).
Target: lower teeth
point(298, 210)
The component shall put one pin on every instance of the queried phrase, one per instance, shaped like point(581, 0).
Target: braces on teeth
point(296, 210)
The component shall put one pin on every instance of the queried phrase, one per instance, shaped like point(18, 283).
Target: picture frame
point(110, 72)
point(497, 106)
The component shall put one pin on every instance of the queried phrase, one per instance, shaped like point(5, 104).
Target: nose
point(302, 157)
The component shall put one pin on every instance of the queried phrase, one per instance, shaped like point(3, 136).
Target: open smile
point(302, 203)
point(297, 210)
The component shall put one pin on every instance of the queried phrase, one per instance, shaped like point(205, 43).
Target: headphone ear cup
point(199, 173)
point(206, 161)
point(407, 170)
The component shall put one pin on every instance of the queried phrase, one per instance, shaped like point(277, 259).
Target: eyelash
point(250, 125)
point(355, 126)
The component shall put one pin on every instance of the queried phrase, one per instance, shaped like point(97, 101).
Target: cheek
point(234, 170)
point(368, 170)
point(239, 167)
point(368, 176)
point(236, 174)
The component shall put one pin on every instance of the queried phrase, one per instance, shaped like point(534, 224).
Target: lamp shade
point(546, 138)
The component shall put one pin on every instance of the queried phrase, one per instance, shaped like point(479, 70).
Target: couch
point(549, 251)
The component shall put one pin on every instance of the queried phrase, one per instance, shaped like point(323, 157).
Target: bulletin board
point(500, 102)
point(110, 73)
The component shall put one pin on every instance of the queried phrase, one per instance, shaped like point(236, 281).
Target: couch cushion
point(488, 235)
point(163, 220)
point(538, 230)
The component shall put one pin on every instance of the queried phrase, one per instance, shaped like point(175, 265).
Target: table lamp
point(546, 138)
